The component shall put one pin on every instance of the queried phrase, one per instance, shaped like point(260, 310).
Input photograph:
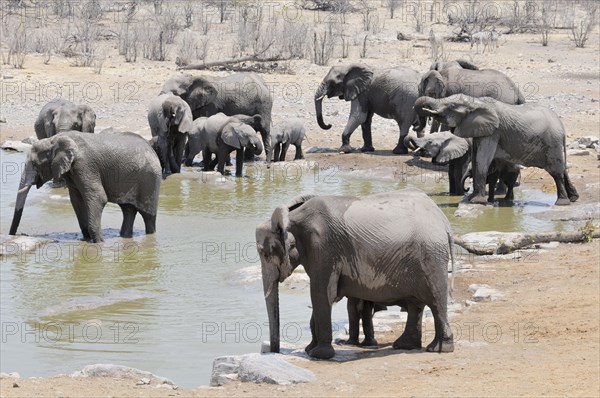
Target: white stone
point(578, 152)
point(16, 146)
point(110, 370)
point(11, 375)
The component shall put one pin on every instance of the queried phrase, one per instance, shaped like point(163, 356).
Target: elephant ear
point(481, 122)
point(88, 119)
point(183, 117)
point(466, 64)
point(357, 80)
point(236, 135)
point(63, 155)
point(280, 222)
point(453, 148)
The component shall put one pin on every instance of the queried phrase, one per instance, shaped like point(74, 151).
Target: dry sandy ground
point(549, 315)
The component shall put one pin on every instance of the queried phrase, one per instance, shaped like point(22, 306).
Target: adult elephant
point(389, 93)
point(170, 120)
point(369, 248)
point(62, 115)
point(445, 147)
point(239, 93)
point(527, 134)
point(119, 168)
point(220, 135)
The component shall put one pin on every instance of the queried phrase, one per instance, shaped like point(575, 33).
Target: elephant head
point(278, 257)
point(87, 118)
point(199, 92)
point(459, 63)
point(442, 147)
point(240, 135)
point(345, 82)
point(432, 85)
point(49, 158)
point(175, 112)
point(470, 117)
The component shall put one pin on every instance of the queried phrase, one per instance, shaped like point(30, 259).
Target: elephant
point(362, 310)
point(389, 93)
point(445, 147)
point(526, 134)
point(170, 119)
point(289, 133)
point(239, 93)
point(62, 115)
point(370, 248)
point(220, 135)
point(120, 168)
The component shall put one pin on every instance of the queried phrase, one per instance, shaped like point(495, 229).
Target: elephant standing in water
point(527, 134)
point(170, 120)
point(120, 168)
point(62, 115)
point(389, 93)
point(371, 248)
point(239, 93)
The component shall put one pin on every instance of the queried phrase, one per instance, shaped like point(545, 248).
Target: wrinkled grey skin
point(61, 115)
point(118, 168)
point(239, 93)
point(445, 147)
point(170, 119)
point(220, 135)
point(462, 77)
point(527, 134)
point(288, 133)
point(369, 248)
point(389, 93)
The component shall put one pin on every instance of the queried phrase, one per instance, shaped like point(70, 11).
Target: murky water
point(169, 303)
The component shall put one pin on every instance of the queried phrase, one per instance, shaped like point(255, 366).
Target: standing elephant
point(61, 115)
point(170, 119)
point(220, 135)
point(121, 168)
point(527, 134)
point(240, 93)
point(289, 133)
point(361, 310)
point(369, 248)
point(445, 147)
point(389, 93)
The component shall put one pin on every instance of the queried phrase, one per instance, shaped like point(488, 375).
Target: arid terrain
point(540, 338)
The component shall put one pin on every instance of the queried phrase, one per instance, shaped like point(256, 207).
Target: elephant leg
point(571, 190)
point(367, 134)
point(173, 146)
point(284, 149)
point(559, 180)
point(79, 207)
point(149, 222)
point(299, 153)
point(443, 340)
point(129, 213)
point(187, 155)
point(357, 117)
point(266, 138)
point(484, 149)
point(352, 306)
point(510, 179)
point(276, 152)
point(367, 324)
point(313, 342)
point(452, 181)
point(94, 202)
point(400, 148)
point(491, 180)
point(411, 337)
point(163, 146)
point(206, 159)
point(178, 149)
point(239, 162)
point(322, 322)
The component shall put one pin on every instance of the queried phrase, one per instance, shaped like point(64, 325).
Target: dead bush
point(583, 24)
point(17, 39)
point(323, 45)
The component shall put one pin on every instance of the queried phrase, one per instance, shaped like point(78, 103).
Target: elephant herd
point(368, 249)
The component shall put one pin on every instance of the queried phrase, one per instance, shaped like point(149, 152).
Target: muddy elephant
point(290, 132)
point(170, 120)
point(447, 148)
point(119, 168)
point(527, 134)
point(369, 248)
point(389, 93)
point(220, 135)
point(62, 115)
point(239, 93)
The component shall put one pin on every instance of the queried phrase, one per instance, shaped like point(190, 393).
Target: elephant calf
point(289, 133)
point(62, 115)
point(120, 168)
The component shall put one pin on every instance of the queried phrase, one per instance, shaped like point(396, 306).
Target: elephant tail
point(451, 246)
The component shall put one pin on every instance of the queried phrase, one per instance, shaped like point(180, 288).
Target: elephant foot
point(348, 342)
point(367, 149)
point(400, 150)
point(562, 202)
point(346, 149)
point(574, 197)
point(369, 342)
point(310, 346)
point(478, 200)
point(441, 345)
point(322, 351)
point(406, 342)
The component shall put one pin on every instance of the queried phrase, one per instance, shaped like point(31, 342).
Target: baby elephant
point(289, 133)
point(362, 310)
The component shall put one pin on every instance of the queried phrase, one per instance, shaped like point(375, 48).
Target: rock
point(11, 375)
point(30, 140)
point(118, 371)
point(484, 292)
point(551, 60)
point(7, 77)
point(15, 146)
point(143, 381)
point(578, 152)
point(489, 241)
point(315, 149)
point(258, 368)
point(2, 120)
point(588, 141)
point(468, 210)
point(15, 385)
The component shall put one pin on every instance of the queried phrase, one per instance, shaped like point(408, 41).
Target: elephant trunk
point(321, 91)
point(28, 178)
point(410, 143)
point(258, 147)
point(271, 289)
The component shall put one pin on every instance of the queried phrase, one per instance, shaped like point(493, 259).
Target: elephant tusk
point(430, 111)
point(320, 98)
point(268, 293)
point(417, 149)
